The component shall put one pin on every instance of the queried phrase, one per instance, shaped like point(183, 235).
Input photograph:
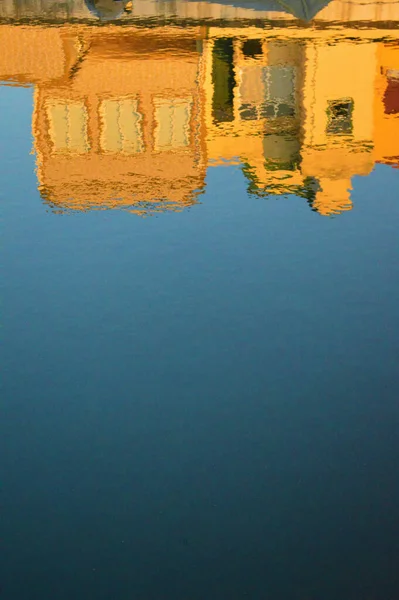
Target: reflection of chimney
point(333, 197)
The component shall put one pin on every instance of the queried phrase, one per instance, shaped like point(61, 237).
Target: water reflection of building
point(303, 115)
point(125, 119)
point(254, 107)
point(117, 117)
point(338, 121)
point(132, 117)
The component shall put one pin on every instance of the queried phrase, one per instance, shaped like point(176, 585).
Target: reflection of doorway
point(391, 96)
point(281, 152)
point(223, 79)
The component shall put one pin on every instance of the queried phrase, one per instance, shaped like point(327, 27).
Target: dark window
point(252, 48)
point(278, 93)
point(223, 80)
point(248, 112)
point(340, 116)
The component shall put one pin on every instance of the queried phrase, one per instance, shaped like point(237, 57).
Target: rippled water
point(199, 303)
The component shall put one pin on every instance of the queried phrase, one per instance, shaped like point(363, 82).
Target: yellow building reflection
point(303, 115)
point(133, 117)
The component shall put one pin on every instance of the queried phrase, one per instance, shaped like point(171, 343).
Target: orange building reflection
point(132, 117)
point(122, 126)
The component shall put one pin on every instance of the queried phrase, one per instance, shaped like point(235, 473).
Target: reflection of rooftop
point(333, 11)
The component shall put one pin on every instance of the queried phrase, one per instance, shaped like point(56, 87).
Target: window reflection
point(339, 114)
point(172, 117)
point(121, 126)
point(68, 126)
point(252, 48)
point(224, 82)
point(267, 92)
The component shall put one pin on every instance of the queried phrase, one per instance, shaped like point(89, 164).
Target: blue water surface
point(200, 404)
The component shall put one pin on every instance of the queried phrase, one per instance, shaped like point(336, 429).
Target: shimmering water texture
point(135, 117)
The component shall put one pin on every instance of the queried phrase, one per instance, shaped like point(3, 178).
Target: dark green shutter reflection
point(223, 80)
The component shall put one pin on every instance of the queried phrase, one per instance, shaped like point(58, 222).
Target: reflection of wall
point(338, 119)
point(31, 54)
point(337, 72)
point(124, 122)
